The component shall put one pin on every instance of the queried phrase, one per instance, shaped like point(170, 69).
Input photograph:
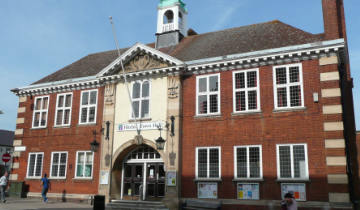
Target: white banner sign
point(142, 126)
point(20, 149)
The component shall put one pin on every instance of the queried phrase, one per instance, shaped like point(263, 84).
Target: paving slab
point(37, 204)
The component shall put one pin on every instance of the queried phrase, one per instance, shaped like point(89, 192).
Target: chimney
point(334, 19)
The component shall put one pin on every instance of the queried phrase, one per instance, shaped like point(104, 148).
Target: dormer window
point(168, 17)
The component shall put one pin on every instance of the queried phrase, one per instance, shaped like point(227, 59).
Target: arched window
point(143, 153)
point(168, 17)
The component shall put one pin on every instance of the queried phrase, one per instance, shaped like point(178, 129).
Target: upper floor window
point(141, 99)
point(246, 91)
point(35, 164)
point(63, 109)
point(208, 94)
point(84, 164)
point(292, 161)
point(40, 112)
point(248, 162)
point(58, 165)
point(208, 161)
point(288, 86)
point(88, 106)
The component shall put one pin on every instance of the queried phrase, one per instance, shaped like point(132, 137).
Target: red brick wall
point(267, 128)
point(71, 139)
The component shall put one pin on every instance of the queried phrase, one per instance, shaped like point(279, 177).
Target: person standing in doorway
point(45, 187)
point(3, 185)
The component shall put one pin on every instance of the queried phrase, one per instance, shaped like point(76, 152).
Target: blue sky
point(39, 37)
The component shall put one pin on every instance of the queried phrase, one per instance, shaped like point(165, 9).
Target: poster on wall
point(247, 191)
point(104, 177)
point(207, 190)
point(171, 178)
point(298, 190)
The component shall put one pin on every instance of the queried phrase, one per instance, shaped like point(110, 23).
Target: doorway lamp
point(94, 144)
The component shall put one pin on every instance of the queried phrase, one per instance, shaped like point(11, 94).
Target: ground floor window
point(292, 161)
point(248, 162)
point(208, 162)
point(35, 163)
point(84, 164)
point(58, 164)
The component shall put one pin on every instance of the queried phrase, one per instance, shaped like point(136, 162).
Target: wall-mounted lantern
point(94, 144)
point(160, 142)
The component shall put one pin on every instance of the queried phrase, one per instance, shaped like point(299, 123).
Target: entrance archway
point(143, 174)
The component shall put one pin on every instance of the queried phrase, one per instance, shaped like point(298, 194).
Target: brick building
point(247, 114)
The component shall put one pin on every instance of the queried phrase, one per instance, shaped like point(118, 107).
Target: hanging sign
point(248, 191)
point(142, 126)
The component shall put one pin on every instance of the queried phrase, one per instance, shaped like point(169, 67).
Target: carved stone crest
point(109, 94)
point(143, 61)
point(173, 87)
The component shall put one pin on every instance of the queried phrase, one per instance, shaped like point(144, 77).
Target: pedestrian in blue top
point(45, 187)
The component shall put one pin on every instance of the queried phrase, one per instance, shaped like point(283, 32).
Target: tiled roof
point(262, 36)
point(6, 138)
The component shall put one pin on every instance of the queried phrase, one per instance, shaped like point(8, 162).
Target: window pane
point(294, 74)
point(37, 119)
point(79, 171)
point(214, 163)
point(68, 101)
point(282, 97)
point(83, 115)
point(55, 158)
point(93, 97)
point(31, 165)
point(213, 103)
point(214, 83)
point(38, 165)
point(145, 108)
point(43, 119)
point(63, 158)
point(252, 100)
point(92, 114)
point(88, 169)
point(61, 101)
point(240, 101)
point(89, 157)
point(202, 163)
point(38, 104)
point(136, 105)
point(285, 162)
point(251, 79)
point(136, 90)
point(67, 117)
point(45, 103)
point(202, 85)
point(54, 170)
point(85, 98)
point(59, 118)
point(281, 76)
point(202, 104)
point(254, 153)
point(145, 89)
point(295, 96)
point(62, 170)
point(299, 161)
point(241, 163)
point(81, 158)
point(240, 80)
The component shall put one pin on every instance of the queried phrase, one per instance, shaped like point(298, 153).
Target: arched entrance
point(143, 175)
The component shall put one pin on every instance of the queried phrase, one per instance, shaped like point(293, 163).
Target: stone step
point(135, 205)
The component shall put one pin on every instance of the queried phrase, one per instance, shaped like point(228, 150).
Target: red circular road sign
point(6, 157)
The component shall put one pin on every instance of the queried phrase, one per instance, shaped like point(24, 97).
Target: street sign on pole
point(6, 157)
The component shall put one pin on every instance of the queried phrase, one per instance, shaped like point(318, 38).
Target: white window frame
point(208, 93)
point(292, 162)
point(76, 165)
point(28, 165)
point(63, 109)
point(247, 162)
point(208, 163)
point(140, 99)
point(51, 164)
point(246, 89)
point(41, 111)
point(88, 107)
point(288, 85)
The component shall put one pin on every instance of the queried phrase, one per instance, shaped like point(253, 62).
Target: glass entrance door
point(133, 178)
point(155, 180)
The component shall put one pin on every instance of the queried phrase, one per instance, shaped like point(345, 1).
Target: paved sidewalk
point(28, 204)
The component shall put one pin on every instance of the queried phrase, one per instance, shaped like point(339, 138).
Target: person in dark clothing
point(45, 187)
